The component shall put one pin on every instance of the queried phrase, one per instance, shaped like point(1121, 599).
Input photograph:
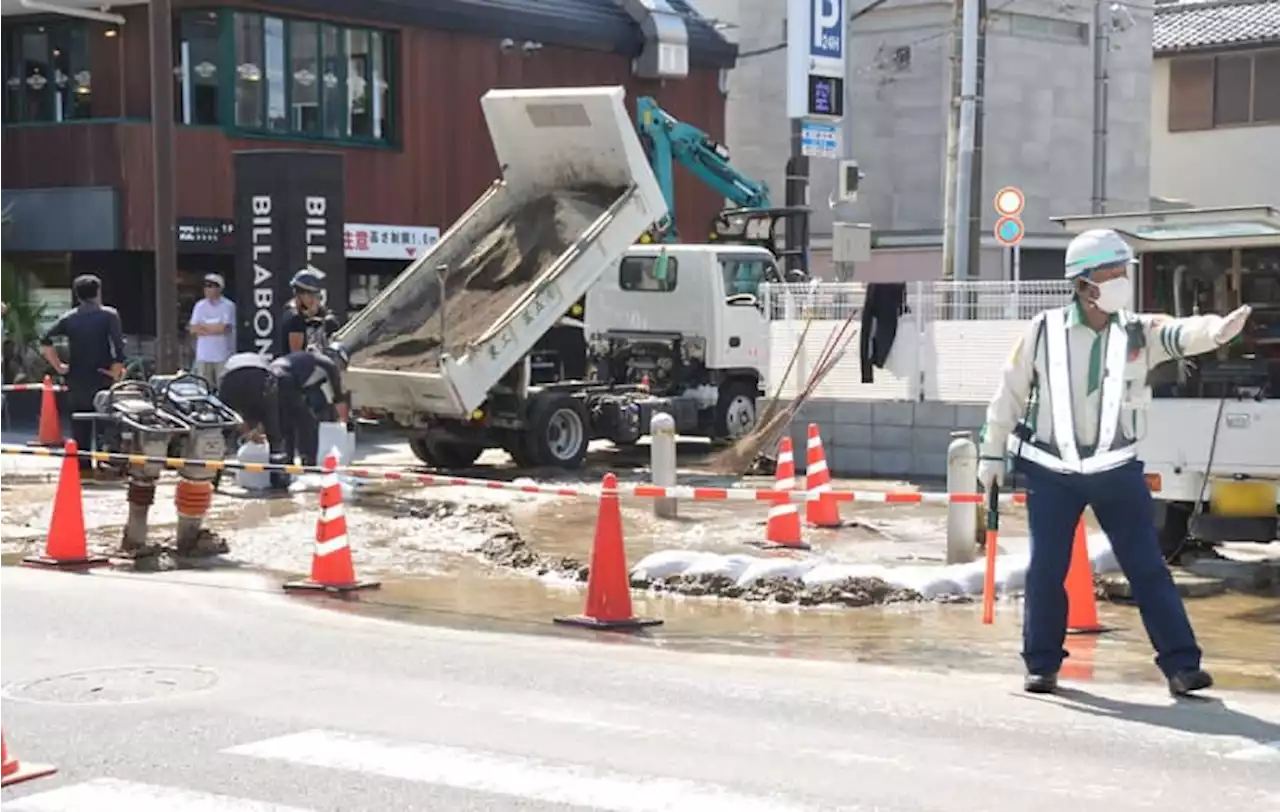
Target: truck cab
point(1212, 439)
point(687, 320)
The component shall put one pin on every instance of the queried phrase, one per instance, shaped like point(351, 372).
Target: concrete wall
point(1230, 166)
point(892, 439)
point(1038, 110)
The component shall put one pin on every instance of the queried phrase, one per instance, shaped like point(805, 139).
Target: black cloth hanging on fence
point(884, 303)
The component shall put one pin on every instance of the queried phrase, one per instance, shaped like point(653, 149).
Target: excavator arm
point(669, 141)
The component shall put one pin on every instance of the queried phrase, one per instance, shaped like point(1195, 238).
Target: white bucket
point(334, 436)
point(253, 453)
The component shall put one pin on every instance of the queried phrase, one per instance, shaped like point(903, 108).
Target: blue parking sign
point(826, 29)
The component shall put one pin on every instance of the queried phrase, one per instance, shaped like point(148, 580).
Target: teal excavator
point(752, 220)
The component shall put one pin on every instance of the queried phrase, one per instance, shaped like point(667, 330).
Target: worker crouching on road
point(1068, 410)
point(285, 400)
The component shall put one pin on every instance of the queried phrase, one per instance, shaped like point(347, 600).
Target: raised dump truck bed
point(576, 190)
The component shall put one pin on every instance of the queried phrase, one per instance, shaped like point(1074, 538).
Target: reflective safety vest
point(1064, 454)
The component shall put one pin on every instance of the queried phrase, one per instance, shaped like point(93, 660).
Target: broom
point(739, 458)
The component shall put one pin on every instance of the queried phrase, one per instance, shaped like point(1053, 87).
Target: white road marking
point(1268, 751)
point(110, 793)
point(509, 775)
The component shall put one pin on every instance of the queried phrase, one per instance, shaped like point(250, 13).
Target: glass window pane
point(198, 63)
point(382, 83)
point(37, 75)
point(359, 89)
point(72, 75)
point(304, 70)
point(250, 84)
point(12, 75)
point(334, 99)
point(277, 109)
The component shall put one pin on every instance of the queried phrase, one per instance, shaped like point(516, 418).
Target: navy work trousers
point(1122, 502)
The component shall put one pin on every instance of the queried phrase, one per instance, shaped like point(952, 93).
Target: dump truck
point(447, 351)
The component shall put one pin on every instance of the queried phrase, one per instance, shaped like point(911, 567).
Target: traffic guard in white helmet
point(1068, 411)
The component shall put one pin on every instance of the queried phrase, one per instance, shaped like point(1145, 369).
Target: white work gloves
point(991, 472)
point(1231, 325)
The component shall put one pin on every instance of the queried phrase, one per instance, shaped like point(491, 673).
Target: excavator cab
point(767, 228)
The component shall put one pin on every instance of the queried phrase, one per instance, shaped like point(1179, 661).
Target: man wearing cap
point(213, 323)
point(1068, 411)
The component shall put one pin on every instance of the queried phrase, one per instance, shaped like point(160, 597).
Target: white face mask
point(1114, 294)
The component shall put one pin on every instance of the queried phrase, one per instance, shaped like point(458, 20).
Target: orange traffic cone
point(66, 546)
point(50, 434)
point(608, 582)
point(783, 527)
point(15, 771)
point(331, 566)
point(821, 512)
point(1082, 604)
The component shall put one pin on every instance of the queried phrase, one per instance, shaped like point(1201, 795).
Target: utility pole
point(976, 203)
point(796, 238)
point(965, 137)
point(953, 124)
point(162, 168)
point(1101, 80)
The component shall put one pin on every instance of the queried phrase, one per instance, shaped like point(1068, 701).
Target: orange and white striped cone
point(15, 772)
point(331, 566)
point(823, 511)
point(783, 527)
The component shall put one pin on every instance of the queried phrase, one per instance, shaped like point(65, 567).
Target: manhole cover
point(125, 684)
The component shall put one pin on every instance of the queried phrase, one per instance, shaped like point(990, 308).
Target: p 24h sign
point(826, 29)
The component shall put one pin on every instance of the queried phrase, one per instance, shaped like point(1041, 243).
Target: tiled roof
point(597, 24)
point(1195, 24)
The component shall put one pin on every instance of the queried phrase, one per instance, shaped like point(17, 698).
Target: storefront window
point(299, 77)
point(47, 72)
point(304, 68)
point(196, 67)
point(251, 92)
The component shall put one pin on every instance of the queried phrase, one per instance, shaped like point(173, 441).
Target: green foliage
point(22, 322)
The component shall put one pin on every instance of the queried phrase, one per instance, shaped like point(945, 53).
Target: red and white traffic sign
point(1009, 201)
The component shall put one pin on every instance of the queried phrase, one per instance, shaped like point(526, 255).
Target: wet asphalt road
point(307, 708)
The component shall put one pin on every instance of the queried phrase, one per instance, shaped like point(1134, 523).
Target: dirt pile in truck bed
point(497, 272)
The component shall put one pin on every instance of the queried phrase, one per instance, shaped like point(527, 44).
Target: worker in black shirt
point(307, 323)
point(95, 354)
point(286, 399)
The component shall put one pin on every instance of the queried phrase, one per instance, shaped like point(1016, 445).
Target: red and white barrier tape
point(692, 493)
point(31, 387)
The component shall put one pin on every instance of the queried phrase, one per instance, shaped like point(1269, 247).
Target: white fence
point(951, 342)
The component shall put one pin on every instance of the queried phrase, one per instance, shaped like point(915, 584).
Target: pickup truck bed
point(484, 285)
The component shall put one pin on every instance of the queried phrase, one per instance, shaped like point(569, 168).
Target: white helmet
point(1097, 248)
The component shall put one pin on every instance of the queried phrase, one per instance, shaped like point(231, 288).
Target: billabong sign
point(826, 29)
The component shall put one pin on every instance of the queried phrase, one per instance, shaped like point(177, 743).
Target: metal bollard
point(962, 477)
point(662, 461)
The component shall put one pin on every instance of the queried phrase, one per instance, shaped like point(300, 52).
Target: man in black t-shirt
point(95, 354)
point(306, 323)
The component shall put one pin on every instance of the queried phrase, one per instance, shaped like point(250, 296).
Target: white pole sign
point(816, 59)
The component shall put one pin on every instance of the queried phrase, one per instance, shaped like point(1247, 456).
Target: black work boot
point(1187, 682)
point(1041, 683)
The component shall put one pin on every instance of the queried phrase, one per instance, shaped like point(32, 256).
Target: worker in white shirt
point(213, 323)
point(1067, 411)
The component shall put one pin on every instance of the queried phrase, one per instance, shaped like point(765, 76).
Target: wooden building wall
point(443, 163)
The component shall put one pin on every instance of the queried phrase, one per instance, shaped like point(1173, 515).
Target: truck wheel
point(443, 454)
point(558, 433)
point(735, 410)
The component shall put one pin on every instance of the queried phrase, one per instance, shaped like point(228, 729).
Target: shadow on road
point(1203, 715)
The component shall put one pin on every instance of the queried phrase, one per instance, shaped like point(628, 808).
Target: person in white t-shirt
point(213, 323)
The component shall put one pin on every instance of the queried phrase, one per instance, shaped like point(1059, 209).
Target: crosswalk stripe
point(112, 793)
point(508, 775)
point(1264, 751)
